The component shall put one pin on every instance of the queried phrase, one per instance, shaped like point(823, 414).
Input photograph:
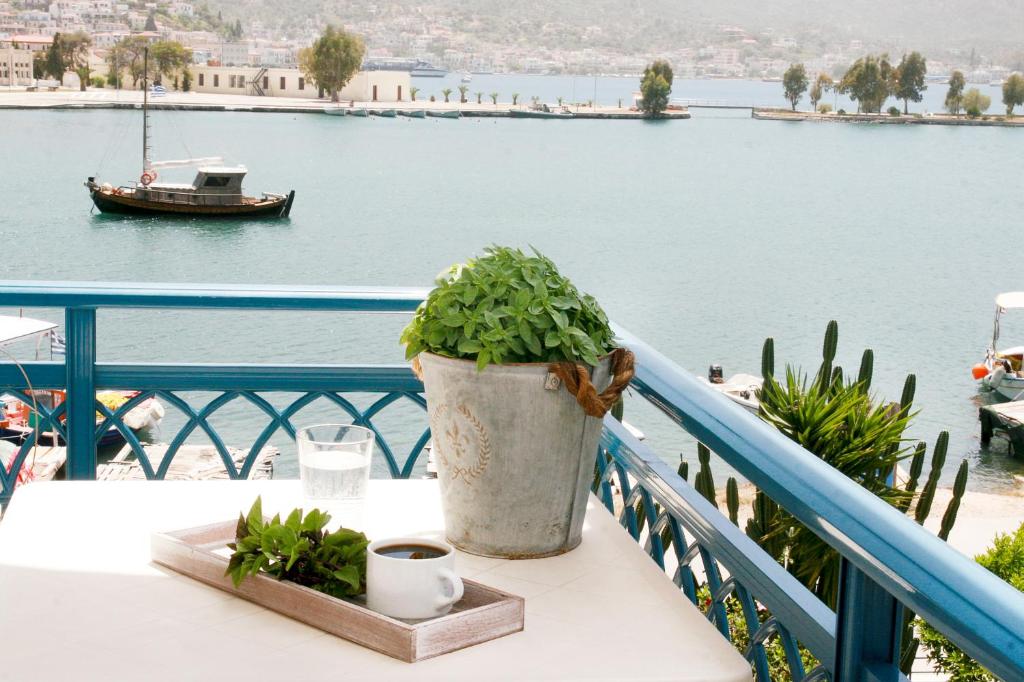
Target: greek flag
point(58, 347)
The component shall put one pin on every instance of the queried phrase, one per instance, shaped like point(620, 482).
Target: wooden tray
point(482, 614)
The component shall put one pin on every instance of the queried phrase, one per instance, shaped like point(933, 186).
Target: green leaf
point(254, 521)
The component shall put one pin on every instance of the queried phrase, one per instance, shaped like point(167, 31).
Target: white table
point(80, 600)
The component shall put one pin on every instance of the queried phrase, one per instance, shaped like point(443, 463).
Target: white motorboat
point(1002, 369)
point(742, 389)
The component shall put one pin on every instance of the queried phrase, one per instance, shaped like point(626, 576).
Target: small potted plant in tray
point(518, 367)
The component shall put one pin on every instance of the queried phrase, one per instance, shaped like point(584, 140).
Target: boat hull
point(526, 113)
point(445, 114)
point(108, 202)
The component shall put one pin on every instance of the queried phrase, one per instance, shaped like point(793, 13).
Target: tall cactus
point(768, 358)
point(959, 486)
point(760, 524)
point(828, 353)
point(732, 500)
point(684, 469)
point(909, 387)
point(916, 466)
point(705, 482)
point(924, 503)
point(867, 367)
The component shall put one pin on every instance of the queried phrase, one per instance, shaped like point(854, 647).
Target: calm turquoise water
point(701, 236)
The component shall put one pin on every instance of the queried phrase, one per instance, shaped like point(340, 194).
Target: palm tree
point(515, 98)
point(463, 89)
point(479, 97)
point(412, 93)
point(494, 98)
point(560, 101)
point(446, 92)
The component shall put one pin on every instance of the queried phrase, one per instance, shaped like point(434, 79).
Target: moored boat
point(451, 113)
point(742, 389)
point(334, 111)
point(385, 113)
point(1002, 370)
point(540, 111)
point(413, 113)
point(358, 112)
point(215, 192)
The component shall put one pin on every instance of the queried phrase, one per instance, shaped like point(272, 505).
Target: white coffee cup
point(411, 588)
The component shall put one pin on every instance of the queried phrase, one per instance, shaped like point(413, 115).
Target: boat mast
point(145, 110)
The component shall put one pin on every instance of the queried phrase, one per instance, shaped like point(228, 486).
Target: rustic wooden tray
point(482, 614)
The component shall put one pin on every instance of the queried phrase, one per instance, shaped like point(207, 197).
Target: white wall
point(236, 80)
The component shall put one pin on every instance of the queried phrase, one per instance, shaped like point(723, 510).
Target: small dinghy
point(742, 389)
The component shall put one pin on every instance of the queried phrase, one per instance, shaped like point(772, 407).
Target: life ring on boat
point(148, 177)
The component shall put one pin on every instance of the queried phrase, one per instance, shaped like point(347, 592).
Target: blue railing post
point(80, 366)
point(868, 629)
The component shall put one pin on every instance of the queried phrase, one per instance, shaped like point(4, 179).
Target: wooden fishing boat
point(413, 113)
point(334, 111)
point(215, 192)
point(358, 112)
point(453, 113)
point(386, 113)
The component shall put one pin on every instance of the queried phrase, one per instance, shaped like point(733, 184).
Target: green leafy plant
point(300, 550)
point(507, 306)
point(1005, 559)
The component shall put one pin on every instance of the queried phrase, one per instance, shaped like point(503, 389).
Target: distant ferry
point(415, 67)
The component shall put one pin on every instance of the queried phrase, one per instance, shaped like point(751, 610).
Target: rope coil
point(576, 378)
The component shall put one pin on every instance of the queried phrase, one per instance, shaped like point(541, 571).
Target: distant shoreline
point(772, 114)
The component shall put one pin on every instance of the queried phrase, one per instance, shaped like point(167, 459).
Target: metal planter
point(515, 455)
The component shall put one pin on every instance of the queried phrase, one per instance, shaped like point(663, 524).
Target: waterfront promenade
point(20, 98)
point(771, 114)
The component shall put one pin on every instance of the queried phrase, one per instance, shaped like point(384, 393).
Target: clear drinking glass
point(334, 463)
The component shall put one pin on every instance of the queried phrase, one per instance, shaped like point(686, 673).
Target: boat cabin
point(213, 186)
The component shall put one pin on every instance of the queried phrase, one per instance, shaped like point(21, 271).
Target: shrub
point(1006, 560)
point(112, 81)
point(841, 112)
point(98, 81)
point(824, 108)
point(973, 112)
point(894, 111)
point(509, 307)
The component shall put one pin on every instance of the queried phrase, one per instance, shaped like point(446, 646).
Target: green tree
point(151, 22)
point(186, 80)
point(332, 60)
point(128, 53)
point(867, 82)
point(168, 57)
point(494, 98)
point(955, 94)
point(39, 64)
point(909, 79)
point(515, 98)
point(975, 103)
point(655, 88)
point(1013, 92)
point(463, 89)
point(74, 51)
point(794, 83)
point(479, 97)
point(447, 93)
point(821, 85)
point(55, 59)
point(413, 92)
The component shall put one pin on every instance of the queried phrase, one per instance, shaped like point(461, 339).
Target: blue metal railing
point(888, 561)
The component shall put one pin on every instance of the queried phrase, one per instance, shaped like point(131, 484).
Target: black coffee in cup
point(410, 551)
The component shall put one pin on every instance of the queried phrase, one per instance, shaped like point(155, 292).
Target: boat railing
point(186, 196)
point(889, 564)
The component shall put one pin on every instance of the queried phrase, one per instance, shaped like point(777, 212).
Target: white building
point(235, 54)
point(365, 86)
point(15, 64)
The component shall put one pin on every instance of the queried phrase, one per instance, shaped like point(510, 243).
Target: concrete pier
point(19, 98)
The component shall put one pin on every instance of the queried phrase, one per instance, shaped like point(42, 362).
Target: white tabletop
point(79, 598)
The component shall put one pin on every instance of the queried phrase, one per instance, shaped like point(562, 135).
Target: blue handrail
point(976, 610)
point(888, 561)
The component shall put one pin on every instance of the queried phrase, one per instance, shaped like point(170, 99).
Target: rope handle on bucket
point(576, 378)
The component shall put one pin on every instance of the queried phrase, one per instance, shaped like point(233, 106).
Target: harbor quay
point(22, 98)
point(773, 114)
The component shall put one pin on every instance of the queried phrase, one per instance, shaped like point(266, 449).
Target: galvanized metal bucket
point(515, 455)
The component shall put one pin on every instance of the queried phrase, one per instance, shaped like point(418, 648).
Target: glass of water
point(334, 464)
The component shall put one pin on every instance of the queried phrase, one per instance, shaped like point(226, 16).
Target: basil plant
point(507, 306)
